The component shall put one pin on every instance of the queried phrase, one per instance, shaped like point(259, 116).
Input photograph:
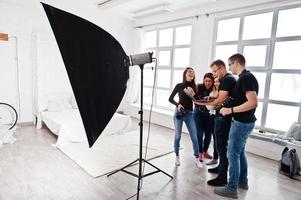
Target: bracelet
point(232, 110)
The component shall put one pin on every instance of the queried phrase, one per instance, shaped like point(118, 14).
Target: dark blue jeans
point(212, 125)
point(203, 125)
point(222, 128)
point(238, 164)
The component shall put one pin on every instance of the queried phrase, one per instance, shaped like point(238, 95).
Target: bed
point(60, 114)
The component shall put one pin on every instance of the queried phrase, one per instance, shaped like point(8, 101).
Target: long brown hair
point(209, 75)
point(193, 80)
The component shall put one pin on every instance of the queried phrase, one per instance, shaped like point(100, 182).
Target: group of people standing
point(225, 108)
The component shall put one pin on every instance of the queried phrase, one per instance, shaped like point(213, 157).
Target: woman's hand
point(207, 97)
point(180, 108)
point(199, 103)
point(190, 91)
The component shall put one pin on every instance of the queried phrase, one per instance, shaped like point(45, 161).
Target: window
point(171, 46)
point(271, 44)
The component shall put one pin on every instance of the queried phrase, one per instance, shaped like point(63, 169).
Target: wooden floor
point(32, 168)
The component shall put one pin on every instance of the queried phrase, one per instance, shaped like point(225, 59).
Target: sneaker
point(217, 182)
point(212, 162)
point(201, 157)
point(207, 155)
point(244, 186)
point(178, 163)
point(213, 170)
point(226, 192)
point(198, 163)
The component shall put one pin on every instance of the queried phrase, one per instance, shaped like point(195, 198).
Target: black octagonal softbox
point(97, 67)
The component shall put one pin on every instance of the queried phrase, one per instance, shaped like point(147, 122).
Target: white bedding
point(67, 124)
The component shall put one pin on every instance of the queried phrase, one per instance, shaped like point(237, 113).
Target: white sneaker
point(178, 163)
point(198, 163)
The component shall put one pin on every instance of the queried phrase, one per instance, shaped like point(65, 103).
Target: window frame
point(268, 68)
point(170, 67)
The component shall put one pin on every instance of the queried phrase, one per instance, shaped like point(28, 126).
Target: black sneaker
point(217, 182)
point(244, 186)
point(213, 170)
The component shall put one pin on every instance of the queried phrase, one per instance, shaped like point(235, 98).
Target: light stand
point(140, 160)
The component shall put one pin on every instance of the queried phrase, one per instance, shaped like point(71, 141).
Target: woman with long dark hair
point(202, 117)
point(184, 113)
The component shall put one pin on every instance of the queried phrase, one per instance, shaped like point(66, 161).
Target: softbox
point(97, 67)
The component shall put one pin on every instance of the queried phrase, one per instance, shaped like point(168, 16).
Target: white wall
point(202, 36)
point(25, 18)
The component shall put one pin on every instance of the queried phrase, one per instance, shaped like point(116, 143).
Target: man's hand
point(225, 111)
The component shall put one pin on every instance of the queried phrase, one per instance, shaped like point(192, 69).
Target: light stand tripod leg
point(158, 168)
point(140, 159)
point(128, 165)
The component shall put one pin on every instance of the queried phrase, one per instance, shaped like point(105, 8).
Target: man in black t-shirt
point(245, 103)
point(222, 124)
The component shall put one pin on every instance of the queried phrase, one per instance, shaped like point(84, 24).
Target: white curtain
point(133, 89)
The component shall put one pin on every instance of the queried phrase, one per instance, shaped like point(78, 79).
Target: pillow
point(50, 97)
point(73, 102)
point(58, 105)
point(294, 131)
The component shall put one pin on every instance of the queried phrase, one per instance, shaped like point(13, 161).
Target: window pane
point(165, 38)
point(147, 96)
point(227, 30)
point(287, 55)
point(163, 79)
point(148, 77)
point(164, 58)
point(183, 35)
point(280, 117)
point(223, 52)
point(182, 57)
point(286, 87)
point(261, 82)
point(177, 77)
point(288, 22)
point(258, 113)
point(255, 55)
point(162, 98)
point(150, 39)
point(258, 26)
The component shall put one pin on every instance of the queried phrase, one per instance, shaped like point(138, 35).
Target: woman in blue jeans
point(202, 117)
point(184, 113)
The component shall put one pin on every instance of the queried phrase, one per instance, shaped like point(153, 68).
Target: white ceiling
point(142, 11)
point(135, 9)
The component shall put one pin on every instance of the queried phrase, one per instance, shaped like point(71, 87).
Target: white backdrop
point(8, 75)
point(50, 75)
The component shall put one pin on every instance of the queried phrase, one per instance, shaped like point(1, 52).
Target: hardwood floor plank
point(32, 169)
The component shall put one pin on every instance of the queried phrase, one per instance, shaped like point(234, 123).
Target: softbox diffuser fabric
point(96, 65)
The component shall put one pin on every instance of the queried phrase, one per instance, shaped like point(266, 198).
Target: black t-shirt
point(202, 92)
point(184, 100)
point(227, 83)
point(246, 82)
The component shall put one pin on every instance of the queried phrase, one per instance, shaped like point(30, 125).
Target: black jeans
point(215, 151)
point(222, 128)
